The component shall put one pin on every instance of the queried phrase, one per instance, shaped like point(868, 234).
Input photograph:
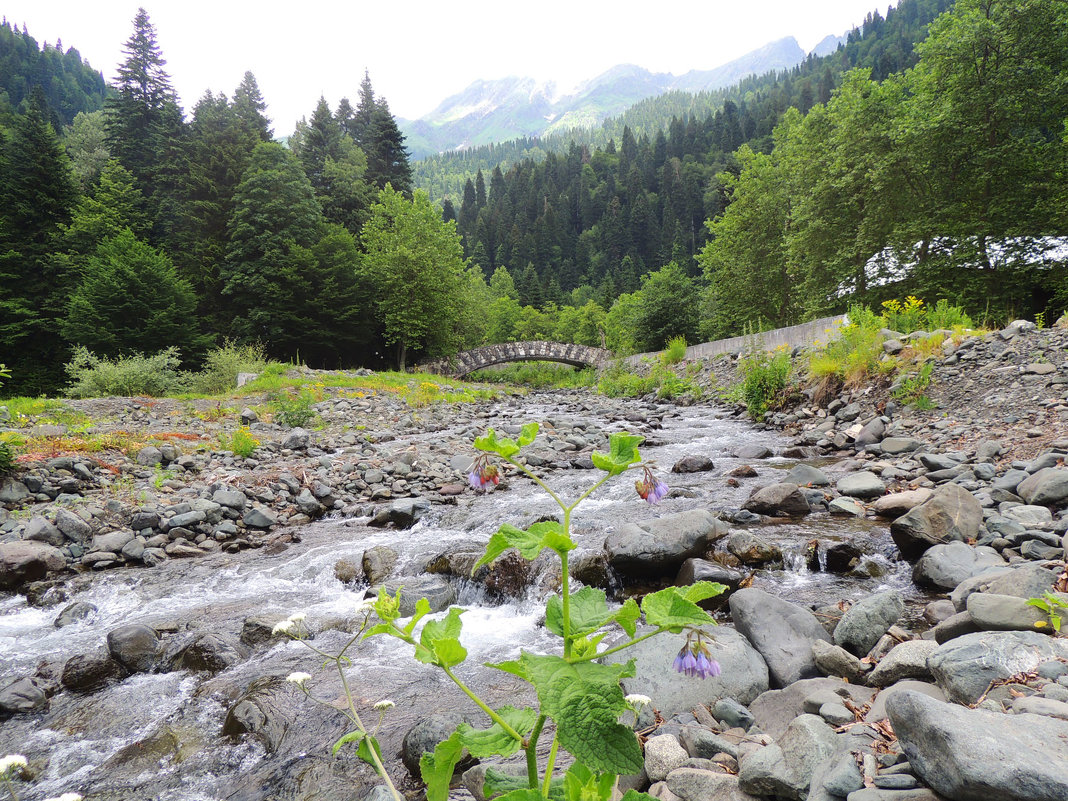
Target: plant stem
point(566, 590)
point(538, 481)
point(10, 787)
point(380, 769)
point(532, 753)
point(549, 767)
point(587, 494)
point(617, 648)
point(483, 706)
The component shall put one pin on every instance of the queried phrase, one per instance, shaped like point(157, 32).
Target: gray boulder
point(1025, 581)
point(75, 529)
point(424, 737)
point(296, 439)
point(898, 503)
point(694, 784)
point(778, 500)
point(22, 562)
point(966, 666)
point(660, 546)
point(951, 513)
point(693, 464)
point(836, 661)
point(72, 613)
point(784, 769)
point(378, 562)
point(21, 696)
point(805, 475)
point(977, 754)
point(743, 676)
point(259, 517)
point(868, 620)
point(40, 529)
point(663, 754)
point(993, 612)
point(212, 652)
point(1047, 487)
point(861, 485)
point(406, 512)
point(89, 672)
point(907, 660)
point(782, 632)
point(135, 647)
point(751, 549)
point(435, 589)
point(694, 570)
point(946, 566)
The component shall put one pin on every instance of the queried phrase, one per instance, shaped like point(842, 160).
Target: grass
point(538, 375)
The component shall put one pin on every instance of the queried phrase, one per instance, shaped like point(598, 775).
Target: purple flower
point(651, 489)
point(482, 474)
point(694, 659)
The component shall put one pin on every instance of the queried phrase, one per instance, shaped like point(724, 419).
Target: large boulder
point(660, 546)
point(784, 769)
point(22, 562)
point(136, 647)
point(20, 696)
point(743, 673)
point(867, 620)
point(1047, 487)
point(779, 500)
point(967, 754)
point(436, 589)
point(781, 631)
point(951, 513)
point(861, 485)
point(775, 709)
point(966, 666)
point(943, 567)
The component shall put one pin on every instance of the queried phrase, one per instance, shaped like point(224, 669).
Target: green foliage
point(156, 375)
point(240, 443)
point(539, 375)
point(675, 351)
point(1053, 606)
point(905, 317)
point(659, 379)
point(912, 388)
point(765, 379)
point(944, 315)
point(854, 353)
point(222, 364)
point(293, 410)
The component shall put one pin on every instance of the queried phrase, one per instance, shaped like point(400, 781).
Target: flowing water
point(159, 736)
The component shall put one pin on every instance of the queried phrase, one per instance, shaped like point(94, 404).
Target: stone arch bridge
point(468, 361)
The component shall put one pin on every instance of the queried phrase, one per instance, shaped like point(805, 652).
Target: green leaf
point(585, 701)
point(351, 737)
point(527, 434)
point(387, 606)
point(627, 617)
point(442, 634)
point(504, 447)
point(495, 740)
point(701, 591)
point(634, 795)
point(422, 609)
point(522, 794)
point(622, 453)
point(363, 750)
point(581, 784)
point(437, 768)
point(499, 785)
point(514, 667)
point(670, 610)
point(529, 543)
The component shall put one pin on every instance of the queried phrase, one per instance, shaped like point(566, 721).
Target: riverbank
point(808, 529)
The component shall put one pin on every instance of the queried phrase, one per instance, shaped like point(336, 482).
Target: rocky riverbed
point(877, 642)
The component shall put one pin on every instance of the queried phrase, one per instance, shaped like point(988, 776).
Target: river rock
point(805, 475)
point(259, 628)
point(861, 485)
point(898, 503)
point(1023, 581)
point(867, 620)
point(230, 498)
point(12, 491)
point(21, 696)
point(906, 660)
point(113, 541)
point(965, 667)
point(693, 464)
point(406, 512)
point(79, 610)
point(776, 709)
point(785, 768)
point(951, 513)
point(262, 711)
point(22, 562)
point(834, 660)
point(1033, 517)
point(90, 672)
point(743, 676)
point(661, 545)
point(748, 452)
point(694, 570)
point(694, 784)
point(978, 754)
point(1047, 487)
point(378, 562)
point(296, 439)
point(893, 446)
point(995, 612)
point(778, 499)
point(437, 590)
point(663, 754)
point(946, 566)
point(424, 737)
point(40, 529)
point(212, 652)
point(751, 549)
point(781, 631)
point(259, 517)
point(135, 647)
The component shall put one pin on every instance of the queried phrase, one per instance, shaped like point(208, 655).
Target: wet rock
point(406, 512)
point(347, 572)
point(867, 620)
point(694, 570)
point(974, 753)
point(946, 566)
point(749, 452)
point(845, 507)
point(693, 464)
point(22, 562)
point(135, 647)
point(907, 660)
point(965, 667)
point(90, 672)
point(778, 499)
point(751, 549)
point(263, 711)
point(22, 696)
point(213, 653)
point(951, 513)
point(744, 675)
point(79, 610)
point(782, 632)
point(378, 562)
point(424, 737)
point(805, 475)
point(660, 546)
point(259, 628)
point(861, 485)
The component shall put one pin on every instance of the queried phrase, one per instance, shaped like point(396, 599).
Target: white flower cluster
point(290, 624)
point(638, 701)
point(384, 705)
point(66, 797)
point(11, 763)
point(298, 678)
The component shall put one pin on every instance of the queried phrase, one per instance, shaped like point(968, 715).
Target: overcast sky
point(419, 53)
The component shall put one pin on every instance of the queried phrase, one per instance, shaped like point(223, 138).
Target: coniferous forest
point(928, 155)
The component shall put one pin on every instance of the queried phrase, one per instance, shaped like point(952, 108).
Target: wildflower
point(285, 627)
point(651, 489)
point(298, 678)
point(12, 763)
point(66, 797)
point(298, 617)
point(638, 701)
point(384, 705)
point(695, 660)
point(483, 473)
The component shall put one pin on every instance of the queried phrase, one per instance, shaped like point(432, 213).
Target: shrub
point(764, 381)
point(242, 443)
point(951, 318)
point(8, 444)
point(222, 365)
point(904, 317)
point(676, 350)
point(293, 411)
point(911, 389)
point(94, 377)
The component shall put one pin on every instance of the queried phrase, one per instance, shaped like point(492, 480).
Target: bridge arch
point(468, 361)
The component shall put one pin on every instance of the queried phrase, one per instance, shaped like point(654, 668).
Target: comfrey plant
point(575, 690)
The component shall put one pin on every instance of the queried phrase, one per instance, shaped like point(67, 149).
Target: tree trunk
point(402, 352)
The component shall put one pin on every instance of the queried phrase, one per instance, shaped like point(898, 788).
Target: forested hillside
point(69, 84)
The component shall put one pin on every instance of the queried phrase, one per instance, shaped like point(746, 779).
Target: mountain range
point(509, 108)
